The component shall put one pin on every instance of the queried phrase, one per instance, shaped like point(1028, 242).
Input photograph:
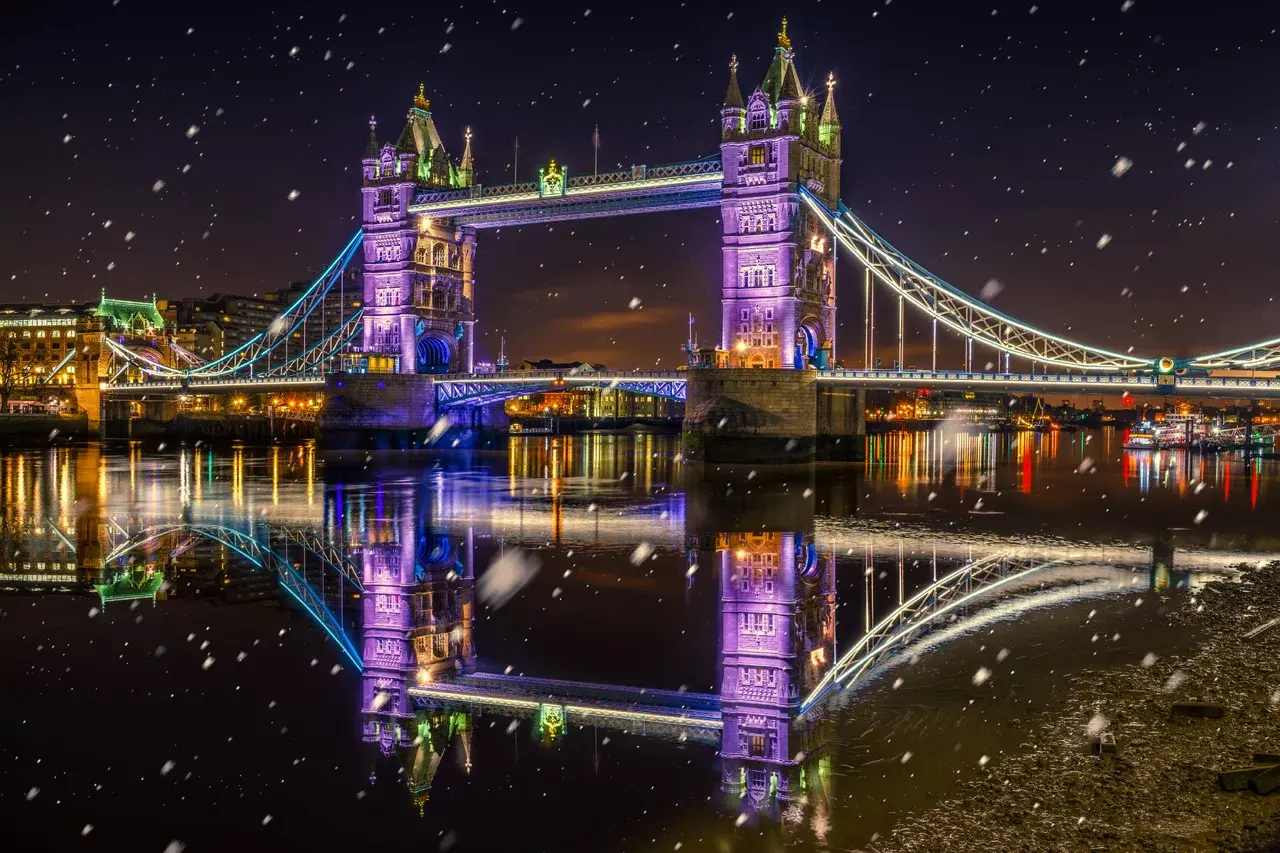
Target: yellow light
point(742, 346)
point(741, 554)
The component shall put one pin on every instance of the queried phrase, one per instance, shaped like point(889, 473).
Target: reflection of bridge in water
point(778, 657)
point(386, 568)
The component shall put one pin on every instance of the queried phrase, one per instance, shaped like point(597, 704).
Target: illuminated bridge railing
point(478, 389)
point(887, 378)
point(196, 385)
point(665, 714)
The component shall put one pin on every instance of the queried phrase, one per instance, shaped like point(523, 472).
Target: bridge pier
point(396, 411)
point(766, 416)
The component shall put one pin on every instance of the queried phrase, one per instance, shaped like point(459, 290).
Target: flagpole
point(595, 141)
point(515, 162)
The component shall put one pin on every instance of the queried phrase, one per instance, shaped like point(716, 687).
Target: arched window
point(759, 120)
point(437, 255)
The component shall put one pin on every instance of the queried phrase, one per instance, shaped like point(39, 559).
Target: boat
point(1142, 437)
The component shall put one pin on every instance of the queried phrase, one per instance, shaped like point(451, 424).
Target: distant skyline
point(980, 139)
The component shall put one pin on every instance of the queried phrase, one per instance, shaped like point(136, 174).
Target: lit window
point(55, 334)
point(71, 333)
point(757, 151)
point(40, 334)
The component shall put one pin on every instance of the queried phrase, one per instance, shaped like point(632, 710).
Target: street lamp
point(742, 353)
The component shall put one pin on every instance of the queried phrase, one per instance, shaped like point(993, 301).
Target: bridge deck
point(482, 388)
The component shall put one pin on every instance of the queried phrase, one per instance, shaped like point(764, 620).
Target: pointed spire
point(406, 144)
point(783, 41)
point(733, 96)
point(371, 148)
point(829, 116)
point(467, 164)
point(790, 90)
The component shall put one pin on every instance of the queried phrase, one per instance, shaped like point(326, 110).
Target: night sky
point(980, 138)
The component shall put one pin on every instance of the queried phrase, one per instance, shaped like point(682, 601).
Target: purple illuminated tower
point(778, 638)
point(387, 563)
point(778, 298)
point(418, 284)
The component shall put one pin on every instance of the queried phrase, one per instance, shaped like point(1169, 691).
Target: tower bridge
point(775, 377)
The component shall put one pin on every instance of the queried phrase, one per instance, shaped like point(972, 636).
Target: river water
point(579, 644)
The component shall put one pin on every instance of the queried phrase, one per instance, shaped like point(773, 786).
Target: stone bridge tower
point(778, 298)
point(418, 280)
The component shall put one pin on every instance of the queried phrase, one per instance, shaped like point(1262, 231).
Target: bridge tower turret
point(418, 281)
point(778, 295)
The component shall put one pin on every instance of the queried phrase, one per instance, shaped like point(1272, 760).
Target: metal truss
point(916, 614)
point(482, 389)
point(261, 555)
point(66, 359)
point(959, 311)
point(640, 189)
point(313, 359)
point(257, 349)
point(186, 356)
point(568, 209)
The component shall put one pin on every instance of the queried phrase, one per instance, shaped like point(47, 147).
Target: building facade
point(778, 295)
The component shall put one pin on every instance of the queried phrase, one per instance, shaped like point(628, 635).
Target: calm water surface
point(581, 644)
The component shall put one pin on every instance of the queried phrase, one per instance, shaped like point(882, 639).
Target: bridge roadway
point(454, 390)
point(664, 713)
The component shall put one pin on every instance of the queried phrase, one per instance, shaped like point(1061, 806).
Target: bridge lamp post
point(742, 353)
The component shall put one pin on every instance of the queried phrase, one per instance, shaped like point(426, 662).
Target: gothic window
point(755, 746)
point(387, 296)
point(437, 255)
point(768, 314)
point(770, 276)
point(744, 313)
point(759, 120)
point(386, 198)
point(772, 222)
point(757, 151)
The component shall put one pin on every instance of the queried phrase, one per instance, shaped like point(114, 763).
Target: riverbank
point(1160, 791)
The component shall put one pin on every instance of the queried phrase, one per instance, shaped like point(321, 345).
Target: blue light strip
point(339, 263)
point(341, 639)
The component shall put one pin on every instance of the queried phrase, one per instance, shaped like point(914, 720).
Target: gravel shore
point(1160, 791)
